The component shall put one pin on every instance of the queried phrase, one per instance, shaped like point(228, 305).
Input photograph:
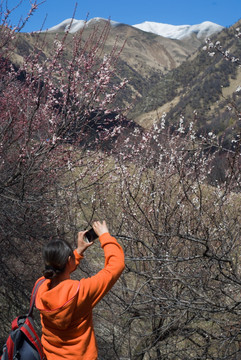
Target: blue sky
point(174, 12)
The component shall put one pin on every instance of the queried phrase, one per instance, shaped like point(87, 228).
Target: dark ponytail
point(55, 255)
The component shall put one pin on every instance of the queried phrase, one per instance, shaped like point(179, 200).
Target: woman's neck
point(58, 279)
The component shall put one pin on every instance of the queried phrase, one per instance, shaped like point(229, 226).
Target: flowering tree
point(56, 114)
point(180, 295)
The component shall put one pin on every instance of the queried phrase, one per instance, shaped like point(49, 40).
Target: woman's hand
point(82, 244)
point(100, 228)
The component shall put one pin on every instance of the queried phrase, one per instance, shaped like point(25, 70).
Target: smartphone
point(91, 235)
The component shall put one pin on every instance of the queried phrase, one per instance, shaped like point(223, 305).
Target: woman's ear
point(71, 263)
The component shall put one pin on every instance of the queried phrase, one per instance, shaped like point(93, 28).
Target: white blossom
point(163, 120)
point(181, 127)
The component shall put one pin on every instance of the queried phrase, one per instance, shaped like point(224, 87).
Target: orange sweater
point(66, 310)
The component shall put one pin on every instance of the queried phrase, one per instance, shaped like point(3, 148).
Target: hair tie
point(56, 270)
point(49, 267)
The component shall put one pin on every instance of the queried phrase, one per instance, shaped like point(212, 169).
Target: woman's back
point(66, 309)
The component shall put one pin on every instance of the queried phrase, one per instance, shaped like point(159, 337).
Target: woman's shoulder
point(57, 296)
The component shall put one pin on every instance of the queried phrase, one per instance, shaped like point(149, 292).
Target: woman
point(66, 305)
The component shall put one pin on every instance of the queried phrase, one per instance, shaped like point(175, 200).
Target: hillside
point(143, 51)
point(201, 83)
point(164, 75)
point(144, 57)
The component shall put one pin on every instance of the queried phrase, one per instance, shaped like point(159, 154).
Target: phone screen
point(91, 235)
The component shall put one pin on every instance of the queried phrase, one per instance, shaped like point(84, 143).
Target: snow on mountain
point(64, 26)
point(202, 30)
point(77, 25)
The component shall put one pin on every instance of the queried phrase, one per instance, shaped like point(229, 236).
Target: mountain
point(202, 31)
point(144, 57)
point(177, 32)
point(202, 85)
point(73, 25)
point(165, 75)
point(144, 52)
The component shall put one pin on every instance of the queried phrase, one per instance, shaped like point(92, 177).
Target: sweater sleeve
point(99, 284)
point(78, 257)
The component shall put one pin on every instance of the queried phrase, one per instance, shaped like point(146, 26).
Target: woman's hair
point(55, 255)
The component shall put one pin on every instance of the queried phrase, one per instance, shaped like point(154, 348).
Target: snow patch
point(77, 25)
point(202, 30)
